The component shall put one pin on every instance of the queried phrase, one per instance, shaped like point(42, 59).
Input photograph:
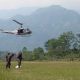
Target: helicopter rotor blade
point(17, 22)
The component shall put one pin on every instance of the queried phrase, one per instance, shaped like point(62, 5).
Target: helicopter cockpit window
point(20, 31)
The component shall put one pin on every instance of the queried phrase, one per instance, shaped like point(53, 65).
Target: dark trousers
point(19, 62)
point(8, 64)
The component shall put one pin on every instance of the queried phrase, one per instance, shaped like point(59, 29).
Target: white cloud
point(9, 4)
point(71, 3)
point(19, 3)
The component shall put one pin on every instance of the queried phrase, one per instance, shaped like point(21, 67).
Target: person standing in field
point(8, 60)
point(19, 57)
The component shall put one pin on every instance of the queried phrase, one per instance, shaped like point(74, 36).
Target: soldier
point(19, 57)
point(8, 60)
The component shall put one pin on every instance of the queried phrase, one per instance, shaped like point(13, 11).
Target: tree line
point(66, 46)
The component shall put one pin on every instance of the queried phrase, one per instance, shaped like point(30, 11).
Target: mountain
point(45, 23)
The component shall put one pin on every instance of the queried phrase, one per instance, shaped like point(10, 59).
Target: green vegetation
point(66, 46)
point(42, 71)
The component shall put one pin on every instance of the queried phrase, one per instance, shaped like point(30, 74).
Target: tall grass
point(41, 71)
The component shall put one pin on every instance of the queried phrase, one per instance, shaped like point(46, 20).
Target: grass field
point(41, 71)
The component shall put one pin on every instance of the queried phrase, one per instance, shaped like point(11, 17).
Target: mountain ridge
point(45, 23)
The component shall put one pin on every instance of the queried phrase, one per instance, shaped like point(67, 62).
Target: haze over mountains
point(45, 23)
point(8, 13)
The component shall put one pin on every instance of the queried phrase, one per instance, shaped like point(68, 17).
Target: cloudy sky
point(12, 4)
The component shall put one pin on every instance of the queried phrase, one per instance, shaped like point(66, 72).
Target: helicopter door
point(20, 31)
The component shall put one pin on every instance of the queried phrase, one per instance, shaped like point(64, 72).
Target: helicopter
point(19, 31)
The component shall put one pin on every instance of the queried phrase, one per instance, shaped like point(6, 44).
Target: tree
point(61, 45)
point(38, 53)
point(67, 39)
point(51, 44)
point(27, 55)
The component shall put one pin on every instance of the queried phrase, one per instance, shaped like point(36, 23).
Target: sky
point(13, 4)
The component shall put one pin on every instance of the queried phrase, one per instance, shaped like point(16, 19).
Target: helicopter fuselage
point(18, 32)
